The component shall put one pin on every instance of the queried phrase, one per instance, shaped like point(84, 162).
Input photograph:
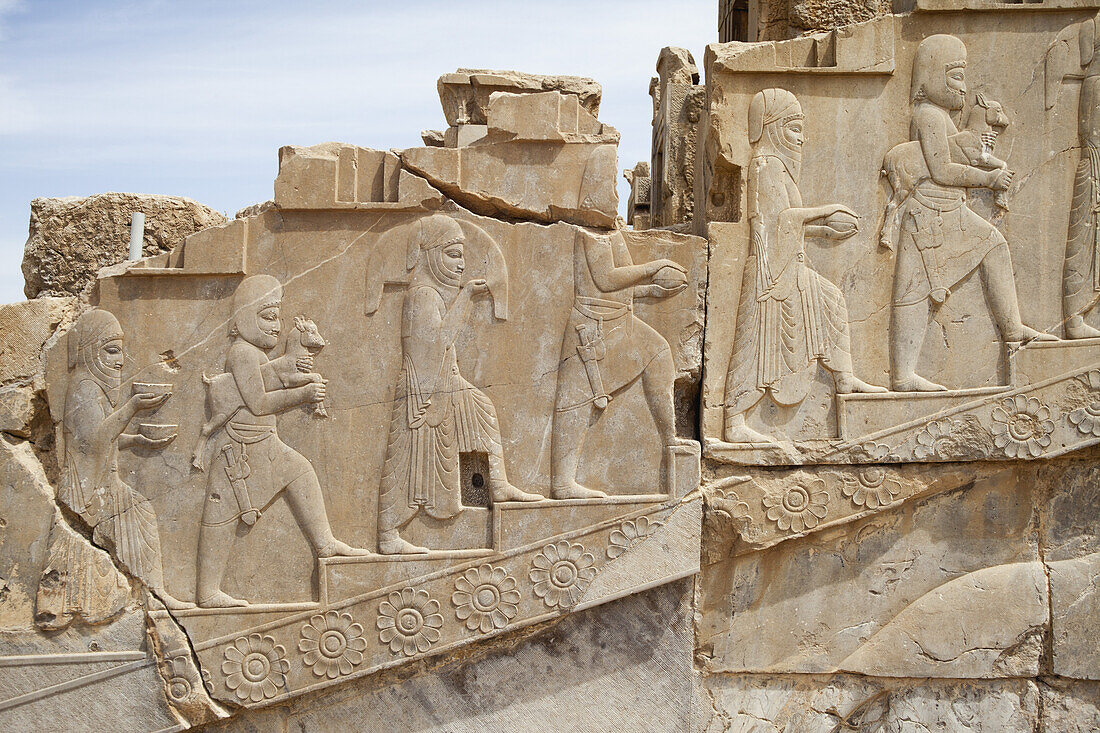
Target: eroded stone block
point(465, 94)
point(71, 238)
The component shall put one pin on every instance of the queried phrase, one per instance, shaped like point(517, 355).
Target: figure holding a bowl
point(93, 428)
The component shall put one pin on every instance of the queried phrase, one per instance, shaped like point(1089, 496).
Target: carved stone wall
point(432, 441)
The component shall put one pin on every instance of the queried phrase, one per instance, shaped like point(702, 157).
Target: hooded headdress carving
point(398, 251)
point(89, 334)
point(768, 111)
point(935, 57)
point(253, 295)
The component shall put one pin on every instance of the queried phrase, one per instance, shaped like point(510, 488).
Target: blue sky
point(194, 98)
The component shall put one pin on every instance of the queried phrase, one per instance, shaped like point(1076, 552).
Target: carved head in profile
point(776, 127)
point(939, 72)
point(438, 245)
point(256, 311)
point(95, 347)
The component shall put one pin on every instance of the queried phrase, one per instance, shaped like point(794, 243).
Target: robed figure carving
point(789, 317)
point(942, 240)
point(436, 413)
point(1076, 57)
point(93, 428)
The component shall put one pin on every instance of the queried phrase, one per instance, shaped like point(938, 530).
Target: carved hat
point(937, 55)
point(398, 249)
point(429, 236)
point(768, 111)
point(254, 293)
point(91, 332)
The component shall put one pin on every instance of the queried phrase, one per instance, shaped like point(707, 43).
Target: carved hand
point(316, 391)
point(304, 363)
point(148, 400)
point(1001, 179)
point(477, 286)
point(654, 265)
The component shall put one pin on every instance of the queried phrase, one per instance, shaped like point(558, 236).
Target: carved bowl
point(157, 431)
point(150, 388)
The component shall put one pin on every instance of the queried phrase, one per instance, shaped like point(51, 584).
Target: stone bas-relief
point(938, 285)
point(397, 442)
point(422, 427)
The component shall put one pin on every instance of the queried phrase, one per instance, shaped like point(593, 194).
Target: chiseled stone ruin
point(435, 440)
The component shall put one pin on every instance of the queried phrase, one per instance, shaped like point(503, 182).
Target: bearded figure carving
point(942, 240)
point(436, 414)
point(789, 317)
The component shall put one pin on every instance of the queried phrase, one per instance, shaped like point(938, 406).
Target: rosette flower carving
point(1087, 417)
point(871, 487)
point(485, 598)
point(332, 644)
point(799, 507)
point(629, 534)
point(255, 667)
point(409, 622)
point(561, 572)
point(1022, 426)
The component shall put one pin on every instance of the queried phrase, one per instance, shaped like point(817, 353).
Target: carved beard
point(943, 96)
point(775, 143)
point(108, 378)
point(439, 272)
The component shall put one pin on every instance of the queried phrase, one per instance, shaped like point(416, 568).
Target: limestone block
point(544, 157)
point(98, 679)
point(71, 238)
point(679, 102)
point(946, 586)
point(1069, 706)
point(1072, 553)
point(339, 176)
point(25, 327)
point(1075, 606)
point(812, 157)
point(587, 669)
point(20, 407)
point(637, 206)
point(751, 703)
point(465, 94)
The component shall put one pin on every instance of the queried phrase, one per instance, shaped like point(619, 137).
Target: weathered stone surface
point(679, 101)
point(544, 157)
point(947, 586)
point(587, 669)
point(829, 329)
point(465, 94)
point(25, 328)
point(637, 206)
point(1069, 706)
point(72, 238)
point(826, 704)
point(1072, 554)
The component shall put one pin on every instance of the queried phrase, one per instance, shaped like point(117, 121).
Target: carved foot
point(220, 599)
point(575, 491)
point(1076, 328)
point(738, 432)
point(172, 603)
point(1030, 334)
point(916, 383)
point(504, 491)
point(390, 543)
point(336, 548)
point(847, 383)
